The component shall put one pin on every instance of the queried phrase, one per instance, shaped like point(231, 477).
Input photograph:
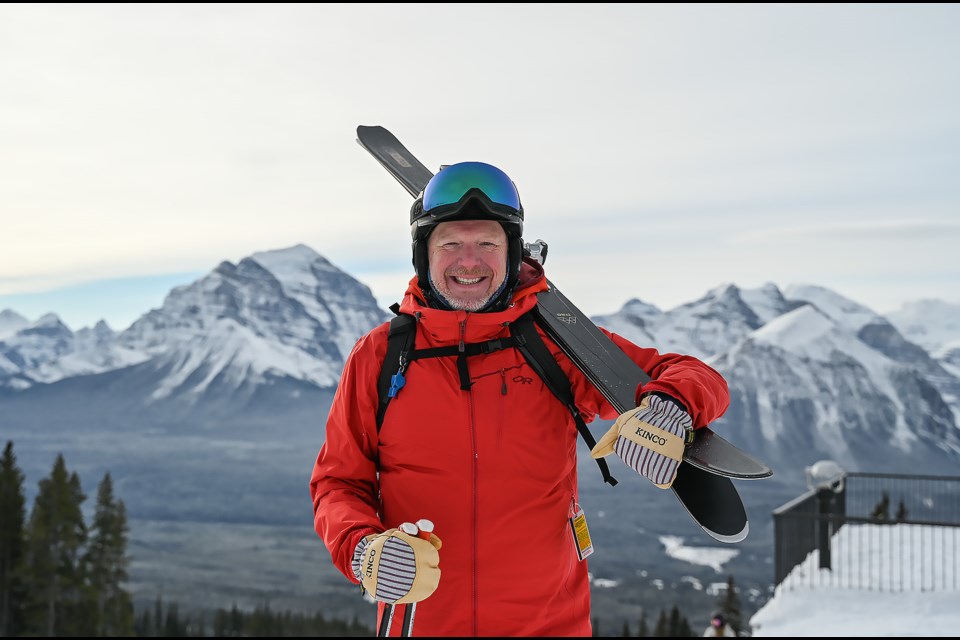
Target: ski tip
point(713, 502)
point(714, 454)
point(729, 538)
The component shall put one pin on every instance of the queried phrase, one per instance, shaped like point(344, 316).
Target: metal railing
point(872, 531)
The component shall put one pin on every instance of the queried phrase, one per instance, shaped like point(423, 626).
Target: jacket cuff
point(663, 396)
point(358, 549)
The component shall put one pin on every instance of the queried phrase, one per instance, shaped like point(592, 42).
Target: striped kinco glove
point(650, 439)
point(396, 567)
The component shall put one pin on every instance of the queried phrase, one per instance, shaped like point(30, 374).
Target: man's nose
point(469, 255)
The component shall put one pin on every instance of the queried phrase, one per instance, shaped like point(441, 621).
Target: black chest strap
point(523, 336)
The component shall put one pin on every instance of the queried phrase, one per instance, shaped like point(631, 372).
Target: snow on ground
point(886, 581)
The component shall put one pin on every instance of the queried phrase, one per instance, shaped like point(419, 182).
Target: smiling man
point(474, 447)
point(468, 263)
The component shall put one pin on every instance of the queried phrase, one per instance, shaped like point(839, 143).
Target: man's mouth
point(466, 281)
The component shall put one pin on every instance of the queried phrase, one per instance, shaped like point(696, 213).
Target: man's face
point(468, 261)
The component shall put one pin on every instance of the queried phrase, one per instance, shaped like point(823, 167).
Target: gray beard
point(461, 305)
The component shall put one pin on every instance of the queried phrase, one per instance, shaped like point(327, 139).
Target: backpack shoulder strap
point(537, 354)
point(400, 341)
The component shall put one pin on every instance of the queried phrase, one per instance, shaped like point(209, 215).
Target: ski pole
point(424, 528)
point(386, 622)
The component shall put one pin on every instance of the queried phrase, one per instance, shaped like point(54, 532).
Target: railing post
point(824, 497)
point(780, 567)
point(826, 477)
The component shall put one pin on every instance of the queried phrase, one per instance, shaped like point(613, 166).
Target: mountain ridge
point(276, 327)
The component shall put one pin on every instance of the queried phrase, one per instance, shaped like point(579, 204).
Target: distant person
point(475, 442)
point(719, 627)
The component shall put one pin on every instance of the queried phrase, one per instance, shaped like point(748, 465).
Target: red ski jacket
point(493, 467)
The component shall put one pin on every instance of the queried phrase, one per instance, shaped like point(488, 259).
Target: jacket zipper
point(473, 497)
point(502, 411)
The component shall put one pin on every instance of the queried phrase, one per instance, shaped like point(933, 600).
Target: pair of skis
point(703, 483)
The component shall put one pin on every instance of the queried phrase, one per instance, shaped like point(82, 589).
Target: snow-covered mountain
point(287, 313)
point(935, 326)
point(283, 314)
point(11, 322)
point(47, 350)
point(703, 327)
point(812, 375)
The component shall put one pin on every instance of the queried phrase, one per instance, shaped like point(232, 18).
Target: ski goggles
point(456, 184)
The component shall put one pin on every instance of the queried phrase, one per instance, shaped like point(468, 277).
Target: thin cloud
point(882, 229)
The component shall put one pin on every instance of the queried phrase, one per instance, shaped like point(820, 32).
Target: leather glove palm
point(397, 568)
point(650, 438)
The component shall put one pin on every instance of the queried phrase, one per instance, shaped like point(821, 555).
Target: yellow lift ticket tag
point(581, 534)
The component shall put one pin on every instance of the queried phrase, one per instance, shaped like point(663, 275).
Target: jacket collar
point(452, 326)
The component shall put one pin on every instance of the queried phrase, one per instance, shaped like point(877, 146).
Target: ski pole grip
point(424, 528)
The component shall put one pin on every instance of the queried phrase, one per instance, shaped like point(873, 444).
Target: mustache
point(469, 273)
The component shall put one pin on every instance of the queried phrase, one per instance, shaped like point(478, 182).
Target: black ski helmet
point(468, 191)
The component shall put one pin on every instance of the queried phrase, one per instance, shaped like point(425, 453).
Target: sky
point(660, 150)
point(865, 594)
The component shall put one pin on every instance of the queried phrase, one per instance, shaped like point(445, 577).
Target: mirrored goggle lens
point(453, 182)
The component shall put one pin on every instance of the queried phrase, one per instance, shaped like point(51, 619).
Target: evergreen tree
point(901, 511)
point(684, 628)
point(643, 631)
point(626, 630)
point(144, 626)
point(264, 623)
point(55, 537)
point(881, 511)
point(220, 624)
point(675, 625)
point(173, 627)
point(12, 544)
point(235, 627)
point(106, 564)
point(158, 616)
point(729, 606)
point(662, 628)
